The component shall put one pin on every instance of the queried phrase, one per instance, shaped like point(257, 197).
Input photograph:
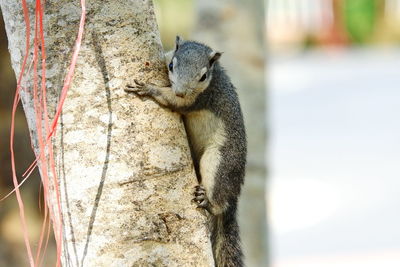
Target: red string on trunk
point(44, 130)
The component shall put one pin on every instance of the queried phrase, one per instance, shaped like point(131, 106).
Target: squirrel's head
point(191, 67)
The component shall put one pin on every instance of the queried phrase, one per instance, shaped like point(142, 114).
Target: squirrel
point(202, 92)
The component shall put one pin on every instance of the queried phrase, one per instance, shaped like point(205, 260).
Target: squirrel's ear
point(178, 42)
point(214, 56)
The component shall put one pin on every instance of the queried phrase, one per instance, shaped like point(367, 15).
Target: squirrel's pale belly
point(205, 130)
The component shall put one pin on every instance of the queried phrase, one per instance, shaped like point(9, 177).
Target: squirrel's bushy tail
point(226, 240)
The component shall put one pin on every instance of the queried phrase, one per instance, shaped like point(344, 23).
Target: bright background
point(334, 94)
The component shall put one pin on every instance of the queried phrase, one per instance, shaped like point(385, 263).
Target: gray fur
point(215, 127)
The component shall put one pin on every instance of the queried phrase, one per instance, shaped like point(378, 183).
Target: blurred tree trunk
point(236, 27)
point(123, 163)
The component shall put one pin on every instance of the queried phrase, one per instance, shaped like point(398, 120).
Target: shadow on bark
point(66, 251)
point(102, 64)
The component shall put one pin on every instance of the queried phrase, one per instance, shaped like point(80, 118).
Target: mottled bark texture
point(236, 27)
point(124, 166)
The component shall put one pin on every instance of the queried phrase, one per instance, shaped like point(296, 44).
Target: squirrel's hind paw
point(201, 199)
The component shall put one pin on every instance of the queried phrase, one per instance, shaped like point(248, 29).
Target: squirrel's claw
point(200, 197)
point(139, 88)
point(133, 88)
point(141, 84)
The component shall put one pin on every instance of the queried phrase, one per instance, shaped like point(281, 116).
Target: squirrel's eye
point(203, 77)
point(170, 66)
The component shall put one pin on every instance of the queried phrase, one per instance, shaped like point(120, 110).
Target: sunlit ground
point(335, 153)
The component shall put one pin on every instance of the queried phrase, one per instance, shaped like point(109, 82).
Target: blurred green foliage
point(360, 17)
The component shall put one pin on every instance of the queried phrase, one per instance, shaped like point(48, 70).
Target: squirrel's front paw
point(139, 88)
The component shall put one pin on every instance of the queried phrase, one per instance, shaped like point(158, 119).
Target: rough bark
point(123, 163)
point(236, 27)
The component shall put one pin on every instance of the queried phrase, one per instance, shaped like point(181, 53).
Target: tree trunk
point(125, 172)
point(237, 27)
